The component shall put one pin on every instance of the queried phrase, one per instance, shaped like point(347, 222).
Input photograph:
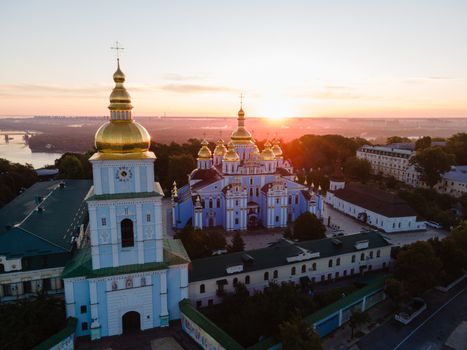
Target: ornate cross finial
point(241, 100)
point(117, 49)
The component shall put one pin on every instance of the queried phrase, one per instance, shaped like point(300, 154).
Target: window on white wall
point(103, 221)
point(148, 217)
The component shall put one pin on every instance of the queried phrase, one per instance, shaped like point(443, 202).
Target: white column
point(111, 180)
point(183, 283)
point(94, 237)
point(93, 299)
point(69, 298)
point(96, 171)
point(163, 293)
point(150, 177)
point(139, 233)
point(137, 179)
point(114, 234)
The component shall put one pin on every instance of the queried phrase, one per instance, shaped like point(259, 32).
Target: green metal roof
point(31, 232)
point(81, 264)
point(376, 284)
point(208, 326)
point(102, 197)
point(277, 254)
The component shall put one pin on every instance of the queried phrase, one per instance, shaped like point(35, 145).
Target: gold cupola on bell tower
point(121, 136)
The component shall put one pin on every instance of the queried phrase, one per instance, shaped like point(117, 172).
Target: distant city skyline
point(290, 59)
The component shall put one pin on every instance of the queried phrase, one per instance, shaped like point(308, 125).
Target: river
point(18, 152)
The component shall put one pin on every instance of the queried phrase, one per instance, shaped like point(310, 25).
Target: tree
point(308, 227)
point(200, 243)
point(397, 139)
point(423, 142)
point(357, 319)
point(14, 177)
point(457, 145)
point(26, 323)
point(296, 335)
point(396, 291)
point(357, 169)
point(70, 167)
point(179, 166)
point(418, 268)
point(238, 245)
point(432, 162)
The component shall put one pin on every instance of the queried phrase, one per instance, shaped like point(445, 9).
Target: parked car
point(410, 311)
point(434, 224)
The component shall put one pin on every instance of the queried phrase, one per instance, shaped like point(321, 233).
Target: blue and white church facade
point(238, 187)
point(130, 276)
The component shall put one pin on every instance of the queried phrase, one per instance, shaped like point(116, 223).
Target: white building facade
point(314, 261)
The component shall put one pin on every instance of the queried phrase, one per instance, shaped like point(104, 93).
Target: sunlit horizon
point(300, 59)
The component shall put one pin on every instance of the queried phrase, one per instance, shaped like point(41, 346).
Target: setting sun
point(276, 108)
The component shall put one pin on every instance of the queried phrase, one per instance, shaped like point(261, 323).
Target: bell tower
point(125, 212)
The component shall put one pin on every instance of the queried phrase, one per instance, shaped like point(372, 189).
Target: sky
point(328, 58)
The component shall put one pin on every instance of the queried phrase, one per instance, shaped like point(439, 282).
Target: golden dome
point(277, 149)
point(220, 149)
point(204, 151)
point(267, 153)
point(231, 155)
point(121, 135)
point(241, 135)
point(119, 98)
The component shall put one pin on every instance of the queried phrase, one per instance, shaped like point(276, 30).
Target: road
point(427, 332)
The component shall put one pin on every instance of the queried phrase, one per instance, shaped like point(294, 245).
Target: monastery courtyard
point(341, 224)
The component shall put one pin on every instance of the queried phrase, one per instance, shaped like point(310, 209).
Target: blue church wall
point(102, 307)
point(149, 251)
point(156, 300)
point(128, 256)
point(105, 255)
point(81, 295)
point(105, 180)
point(144, 180)
point(184, 212)
point(173, 298)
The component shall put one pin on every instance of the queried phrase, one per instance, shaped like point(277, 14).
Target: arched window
point(330, 263)
point(314, 266)
point(266, 276)
point(362, 257)
point(218, 203)
point(247, 279)
point(126, 227)
point(235, 281)
point(303, 268)
point(378, 253)
point(371, 255)
point(202, 288)
point(293, 271)
point(338, 261)
point(275, 274)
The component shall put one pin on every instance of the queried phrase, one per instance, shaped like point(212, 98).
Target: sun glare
point(276, 108)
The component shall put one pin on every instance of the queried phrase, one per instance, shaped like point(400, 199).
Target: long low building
point(380, 209)
point(286, 261)
point(38, 232)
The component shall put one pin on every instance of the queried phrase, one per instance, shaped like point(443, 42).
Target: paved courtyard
point(171, 338)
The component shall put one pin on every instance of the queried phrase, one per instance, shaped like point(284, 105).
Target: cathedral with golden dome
point(238, 187)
